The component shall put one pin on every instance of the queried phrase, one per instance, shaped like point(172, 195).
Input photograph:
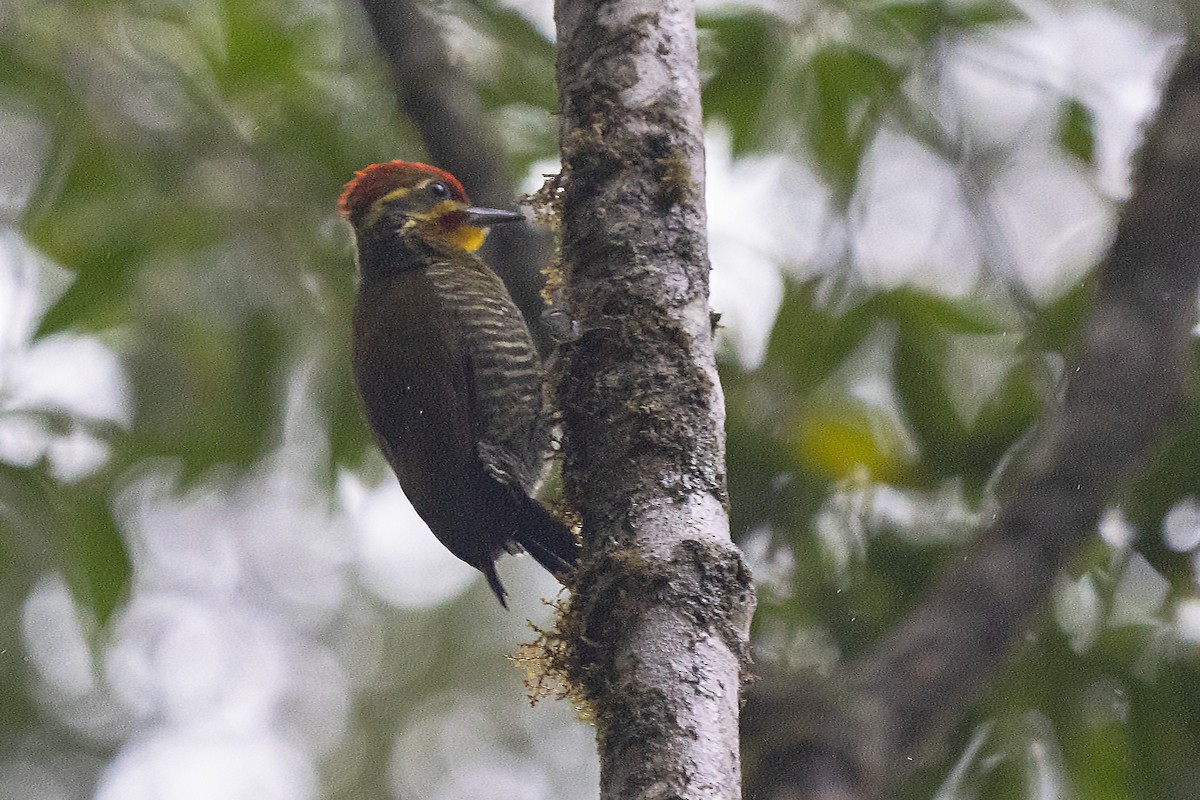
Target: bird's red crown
point(373, 182)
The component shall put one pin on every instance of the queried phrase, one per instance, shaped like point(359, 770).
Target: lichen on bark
point(654, 637)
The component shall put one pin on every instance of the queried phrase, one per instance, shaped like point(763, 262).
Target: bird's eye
point(439, 190)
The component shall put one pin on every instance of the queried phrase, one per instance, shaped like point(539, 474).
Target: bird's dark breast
point(411, 373)
point(451, 386)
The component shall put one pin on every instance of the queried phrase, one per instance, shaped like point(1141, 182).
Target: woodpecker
point(448, 374)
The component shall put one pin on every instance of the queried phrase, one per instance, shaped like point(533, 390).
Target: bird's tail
point(544, 537)
point(521, 520)
point(489, 572)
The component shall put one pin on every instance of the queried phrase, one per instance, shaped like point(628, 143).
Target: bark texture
point(1127, 382)
point(660, 612)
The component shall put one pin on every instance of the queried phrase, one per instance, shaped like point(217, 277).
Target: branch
point(661, 604)
point(445, 108)
point(1127, 385)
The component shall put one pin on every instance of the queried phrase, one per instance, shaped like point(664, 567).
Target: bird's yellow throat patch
point(468, 237)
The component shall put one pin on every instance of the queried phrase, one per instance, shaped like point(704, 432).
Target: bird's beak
point(485, 217)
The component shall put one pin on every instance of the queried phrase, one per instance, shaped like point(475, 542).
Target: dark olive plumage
point(447, 371)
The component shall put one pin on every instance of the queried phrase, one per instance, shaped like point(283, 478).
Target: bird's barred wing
point(504, 374)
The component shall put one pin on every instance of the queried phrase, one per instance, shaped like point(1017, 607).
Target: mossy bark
point(658, 622)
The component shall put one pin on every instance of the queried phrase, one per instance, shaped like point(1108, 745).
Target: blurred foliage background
point(210, 586)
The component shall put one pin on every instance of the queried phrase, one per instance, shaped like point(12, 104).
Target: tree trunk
point(658, 623)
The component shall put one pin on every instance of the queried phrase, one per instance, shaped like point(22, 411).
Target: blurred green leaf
point(743, 61)
point(1057, 326)
point(949, 446)
point(1173, 473)
point(1077, 130)
point(920, 386)
point(523, 70)
point(1100, 761)
point(810, 338)
point(51, 526)
point(33, 82)
point(919, 21)
point(850, 88)
point(257, 47)
point(99, 569)
point(1165, 730)
point(210, 396)
point(767, 484)
point(92, 225)
point(985, 12)
point(25, 504)
point(918, 309)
